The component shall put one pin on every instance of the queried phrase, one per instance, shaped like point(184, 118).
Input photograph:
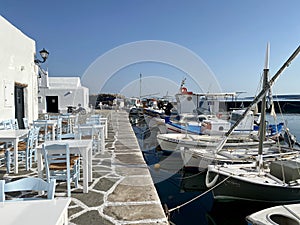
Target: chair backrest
point(30, 138)
point(7, 124)
point(93, 119)
point(43, 125)
point(59, 129)
point(15, 124)
point(84, 132)
point(26, 123)
point(56, 154)
point(27, 184)
point(36, 133)
point(53, 117)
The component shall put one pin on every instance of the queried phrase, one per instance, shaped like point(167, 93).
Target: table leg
point(90, 171)
point(53, 132)
point(40, 167)
point(85, 172)
point(102, 141)
point(39, 164)
point(16, 155)
point(106, 127)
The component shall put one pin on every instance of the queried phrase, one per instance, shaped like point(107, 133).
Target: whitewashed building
point(24, 90)
point(56, 94)
point(18, 74)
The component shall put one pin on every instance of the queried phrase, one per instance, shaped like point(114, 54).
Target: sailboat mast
point(258, 97)
point(262, 125)
point(140, 86)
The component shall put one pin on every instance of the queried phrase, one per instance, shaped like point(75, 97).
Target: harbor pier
point(122, 190)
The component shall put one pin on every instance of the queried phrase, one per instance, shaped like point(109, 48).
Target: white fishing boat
point(213, 130)
point(275, 180)
point(199, 159)
point(281, 214)
point(172, 142)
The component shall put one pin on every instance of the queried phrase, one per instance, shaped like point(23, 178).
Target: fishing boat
point(275, 180)
point(281, 214)
point(212, 131)
point(194, 108)
point(187, 123)
point(172, 142)
point(244, 152)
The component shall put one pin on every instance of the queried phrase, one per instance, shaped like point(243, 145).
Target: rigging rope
point(199, 196)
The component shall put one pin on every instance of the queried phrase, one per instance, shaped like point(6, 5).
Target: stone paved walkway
point(122, 191)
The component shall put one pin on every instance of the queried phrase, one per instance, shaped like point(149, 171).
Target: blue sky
point(229, 36)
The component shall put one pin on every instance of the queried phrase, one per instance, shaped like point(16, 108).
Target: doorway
point(52, 104)
point(19, 105)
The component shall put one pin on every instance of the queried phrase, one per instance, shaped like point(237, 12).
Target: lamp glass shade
point(44, 53)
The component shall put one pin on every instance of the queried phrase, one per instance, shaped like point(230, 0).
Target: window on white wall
point(9, 88)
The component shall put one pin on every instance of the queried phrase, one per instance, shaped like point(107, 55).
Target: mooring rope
point(199, 196)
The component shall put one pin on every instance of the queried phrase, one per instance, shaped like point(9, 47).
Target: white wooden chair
point(60, 165)
point(27, 184)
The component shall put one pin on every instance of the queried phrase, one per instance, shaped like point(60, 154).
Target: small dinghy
point(282, 214)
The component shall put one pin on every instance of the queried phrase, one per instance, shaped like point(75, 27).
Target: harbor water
point(184, 194)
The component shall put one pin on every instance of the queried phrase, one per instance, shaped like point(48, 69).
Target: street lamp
point(44, 54)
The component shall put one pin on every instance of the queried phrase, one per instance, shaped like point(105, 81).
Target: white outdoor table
point(98, 128)
point(35, 212)
point(13, 136)
point(82, 147)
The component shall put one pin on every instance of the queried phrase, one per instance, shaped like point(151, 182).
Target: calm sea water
point(176, 186)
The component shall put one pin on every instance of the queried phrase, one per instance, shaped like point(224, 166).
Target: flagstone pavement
point(122, 191)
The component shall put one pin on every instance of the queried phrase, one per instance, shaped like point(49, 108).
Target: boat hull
point(199, 159)
point(233, 188)
point(169, 142)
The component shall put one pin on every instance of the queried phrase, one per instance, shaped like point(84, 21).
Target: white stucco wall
point(17, 65)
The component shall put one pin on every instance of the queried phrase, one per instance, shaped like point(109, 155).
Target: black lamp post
point(44, 54)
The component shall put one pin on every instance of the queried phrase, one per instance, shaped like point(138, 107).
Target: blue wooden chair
point(67, 126)
point(27, 184)
point(44, 133)
point(26, 123)
point(26, 149)
point(82, 132)
point(14, 124)
point(58, 131)
point(60, 165)
point(94, 119)
point(7, 124)
point(2, 154)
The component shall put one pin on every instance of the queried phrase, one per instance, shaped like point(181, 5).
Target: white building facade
point(56, 94)
point(18, 74)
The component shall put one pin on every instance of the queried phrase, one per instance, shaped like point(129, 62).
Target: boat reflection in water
point(177, 186)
